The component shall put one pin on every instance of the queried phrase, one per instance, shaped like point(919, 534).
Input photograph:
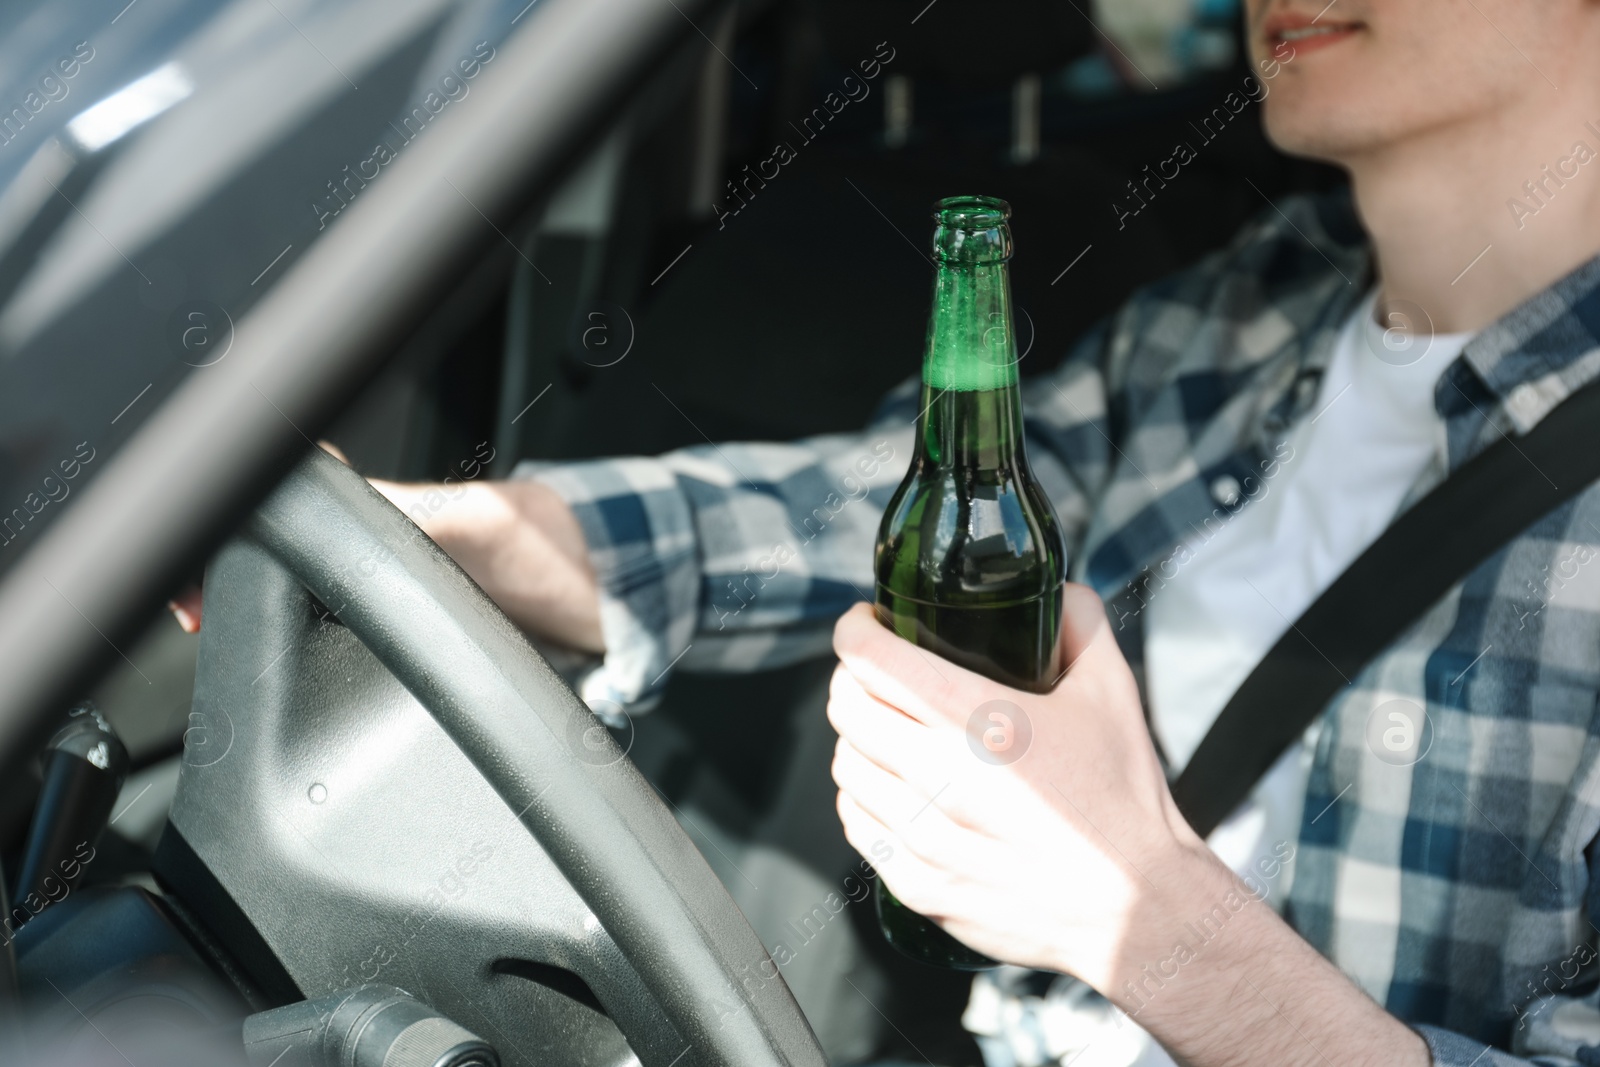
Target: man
point(1450, 885)
point(1218, 451)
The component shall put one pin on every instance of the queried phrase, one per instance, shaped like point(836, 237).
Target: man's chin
point(1311, 133)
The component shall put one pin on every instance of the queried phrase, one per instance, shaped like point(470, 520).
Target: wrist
point(1179, 908)
point(1216, 976)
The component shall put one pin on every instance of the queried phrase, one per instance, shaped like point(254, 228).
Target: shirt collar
point(1536, 355)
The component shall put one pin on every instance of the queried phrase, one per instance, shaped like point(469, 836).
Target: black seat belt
point(1439, 541)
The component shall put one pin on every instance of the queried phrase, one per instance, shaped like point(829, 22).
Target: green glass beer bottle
point(969, 560)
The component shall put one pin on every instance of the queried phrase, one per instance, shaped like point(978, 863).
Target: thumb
point(1086, 635)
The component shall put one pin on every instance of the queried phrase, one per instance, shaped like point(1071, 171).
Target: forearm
point(521, 543)
point(1244, 989)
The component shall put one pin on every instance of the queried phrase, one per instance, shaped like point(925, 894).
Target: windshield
point(131, 247)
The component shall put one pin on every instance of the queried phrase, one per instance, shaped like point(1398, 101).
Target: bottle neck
point(971, 403)
point(970, 429)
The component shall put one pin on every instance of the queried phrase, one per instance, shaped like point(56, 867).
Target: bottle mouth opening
point(971, 212)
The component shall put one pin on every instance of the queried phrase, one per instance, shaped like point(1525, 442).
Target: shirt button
point(1525, 402)
point(1225, 490)
point(1305, 388)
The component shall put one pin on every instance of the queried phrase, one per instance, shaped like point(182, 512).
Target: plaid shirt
point(1453, 890)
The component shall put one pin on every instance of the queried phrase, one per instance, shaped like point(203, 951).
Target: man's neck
point(1442, 210)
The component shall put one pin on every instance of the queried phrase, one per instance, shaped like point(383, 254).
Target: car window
point(161, 167)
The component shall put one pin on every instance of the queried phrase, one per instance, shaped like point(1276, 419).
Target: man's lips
point(1304, 34)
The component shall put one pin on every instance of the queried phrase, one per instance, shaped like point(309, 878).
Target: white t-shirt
point(1344, 471)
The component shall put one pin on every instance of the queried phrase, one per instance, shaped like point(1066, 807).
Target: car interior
point(359, 775)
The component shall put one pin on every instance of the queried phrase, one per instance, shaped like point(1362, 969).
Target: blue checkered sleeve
point(1555, 1028)
point(727, 557)
point(740, 556)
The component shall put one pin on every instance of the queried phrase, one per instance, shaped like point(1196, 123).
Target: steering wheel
point(384, 781)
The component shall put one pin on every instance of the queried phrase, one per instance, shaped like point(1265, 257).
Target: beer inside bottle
point(969, 559)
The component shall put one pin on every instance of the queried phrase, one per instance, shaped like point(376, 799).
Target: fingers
point(888, 797)
point(866, 832)
point(927, 880)
point(933, 690)
point(894, 765)
point(335, 451)
point(892, 744)
point(915, 680)
point(898, 673)
point(186, 608)
point(1085, 632)
point(881, 732)
point(905, 873)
